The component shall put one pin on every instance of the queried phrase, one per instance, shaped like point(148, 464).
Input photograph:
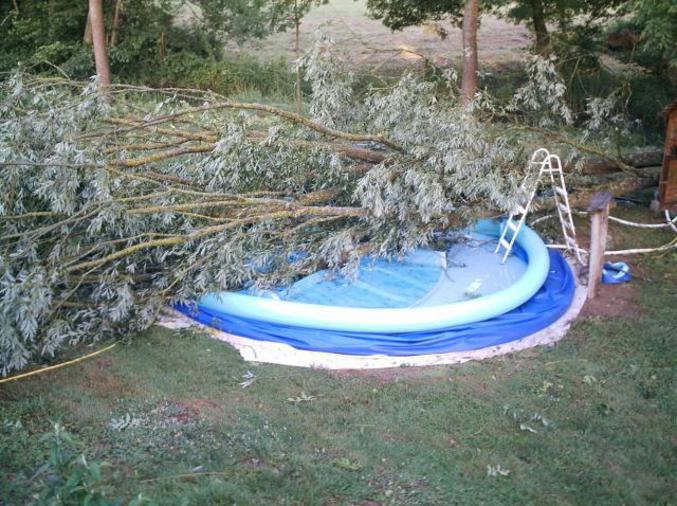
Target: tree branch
point(215, 229)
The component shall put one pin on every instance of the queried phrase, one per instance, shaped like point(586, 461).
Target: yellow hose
point(57, 366)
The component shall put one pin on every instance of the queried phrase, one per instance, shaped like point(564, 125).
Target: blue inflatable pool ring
point(408, 307)
point(394, 319)
point(615, 273)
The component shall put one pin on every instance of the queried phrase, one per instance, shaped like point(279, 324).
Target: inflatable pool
point(458, 299)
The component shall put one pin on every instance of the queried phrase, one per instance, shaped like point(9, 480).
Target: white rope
point(542, 218)
point(671, 221)
point(671, 245)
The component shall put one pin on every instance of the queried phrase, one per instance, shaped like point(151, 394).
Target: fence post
point(599, 218)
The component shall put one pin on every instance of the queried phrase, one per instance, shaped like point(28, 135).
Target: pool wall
point(258, 310)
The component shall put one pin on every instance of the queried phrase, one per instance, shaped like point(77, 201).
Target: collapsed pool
point(428, 302)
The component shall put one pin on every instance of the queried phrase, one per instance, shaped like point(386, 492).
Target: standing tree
point(238, 19)
point(398, 14)
point(115, 26)
point(286, 14)
point(99, 41)
point(563, 13)
point(656, 21)
point(256, 18)
point(87, 37)
point(539, 27)
point(471, 19)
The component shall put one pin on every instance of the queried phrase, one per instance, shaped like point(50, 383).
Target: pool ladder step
point(547, 165)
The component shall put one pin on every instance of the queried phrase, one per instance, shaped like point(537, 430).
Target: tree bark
point(298, 73)
point(581, 197)
point(116, 23)
point(99, 40)
point(297, 50)
point(596, 165)
point(87, 37)
point(470, 65)
point(540, 28)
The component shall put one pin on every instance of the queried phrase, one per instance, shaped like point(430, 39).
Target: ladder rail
point(565, 215)
point(550, 168)
point(522, 207)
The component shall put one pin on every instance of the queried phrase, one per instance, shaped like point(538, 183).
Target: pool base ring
point(548, 302)
point(253, 350)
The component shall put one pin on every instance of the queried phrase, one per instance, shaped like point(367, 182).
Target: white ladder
point(549, 165)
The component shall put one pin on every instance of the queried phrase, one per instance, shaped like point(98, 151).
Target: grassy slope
point(409, 436)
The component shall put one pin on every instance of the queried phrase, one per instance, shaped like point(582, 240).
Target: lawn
point(181, 419)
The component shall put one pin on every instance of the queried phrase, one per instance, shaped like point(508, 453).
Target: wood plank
point(600, 201)
point(667, 187)
point(599, 219)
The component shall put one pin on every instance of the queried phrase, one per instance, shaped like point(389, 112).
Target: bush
point(151, 50)
point(67, 476)
point(227, 75)
point(36, 33)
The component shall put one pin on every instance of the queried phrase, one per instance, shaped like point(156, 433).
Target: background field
point(368, 42)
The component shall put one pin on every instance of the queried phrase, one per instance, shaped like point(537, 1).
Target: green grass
point(407, 436)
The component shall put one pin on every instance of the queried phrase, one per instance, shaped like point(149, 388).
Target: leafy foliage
point(46, 35)
point(659, 32)
point(544, 94)
point(101, 227)
point(68, 478)
point(242, 19)
point(107, 212)
point(398, 14)
point(563, 13)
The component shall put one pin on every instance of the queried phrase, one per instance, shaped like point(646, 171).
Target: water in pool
point(467, 269)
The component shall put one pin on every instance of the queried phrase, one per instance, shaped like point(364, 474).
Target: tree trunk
point(581, 197)
point(297, 51)
point(470, 66)
point(99, 40)
point(540, 29)
point(87, 37)
point(116, 23)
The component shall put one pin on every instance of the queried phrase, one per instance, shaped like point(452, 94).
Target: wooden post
point(599, 219)
point(667, 187)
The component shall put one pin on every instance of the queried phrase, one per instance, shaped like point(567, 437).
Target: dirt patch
point(613, 301)
point(202, 407)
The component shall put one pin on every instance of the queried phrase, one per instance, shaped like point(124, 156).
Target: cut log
point(579, 198)
point(639, 160)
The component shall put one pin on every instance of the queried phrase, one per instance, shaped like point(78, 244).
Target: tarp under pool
point(414, 281)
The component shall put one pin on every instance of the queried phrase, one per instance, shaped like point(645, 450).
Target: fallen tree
point(109, 209)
